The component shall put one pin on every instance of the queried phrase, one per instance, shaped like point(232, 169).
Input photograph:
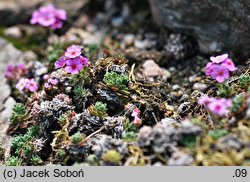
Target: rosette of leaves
point(237, 103)
point(226, 90)
point(244, 81)
point(13, 161)
point(18, 114)
point(113, 79)
point(80, 96)
point(217, 133)
point(99, 109)
point(76, 138)
point(22, 146)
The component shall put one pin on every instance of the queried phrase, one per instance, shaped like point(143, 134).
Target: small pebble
point(184, 97)
point(172, 69)
point(151, 69)
point(200, 86)
point(166, 74)
point(129, 39)
point(176, 87)
point(13, 32)
point(191, 78)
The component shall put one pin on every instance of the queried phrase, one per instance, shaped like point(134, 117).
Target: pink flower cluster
point(13, 72)
point(72, 61)
point(218, 106)
point(135, 114)
point(50, 82)
point(220, 67)
point(49, 16)
point(25, 84)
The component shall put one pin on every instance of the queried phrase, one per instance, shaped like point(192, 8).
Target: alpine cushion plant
point(72, 61)
point(49, 16)
point(220, 67)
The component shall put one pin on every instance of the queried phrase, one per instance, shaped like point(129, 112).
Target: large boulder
point(218, 25)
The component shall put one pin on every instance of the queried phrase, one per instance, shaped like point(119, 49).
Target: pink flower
point(31, 85)
point(74, 66)
point(47, 85)
point(15, 72)
point(73, 51)
point(9, 72)
point(136, 112)
point(53, 81)
point(46, 20)
point(209, 67)
point(21, 84)
point(137, 121)
point(228, 63)
point(226, 102)
point(49, 16)
point(61, 14)
point(219, 59)
point(45, 77)
point(204, 100)
point(56, 25)
point(22, 67)
point(218, 108)
point(35, 16)
point(61, 62)
point(85, 61)
point(220, 73)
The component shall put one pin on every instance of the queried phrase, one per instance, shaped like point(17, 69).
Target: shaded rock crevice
point(217, 25)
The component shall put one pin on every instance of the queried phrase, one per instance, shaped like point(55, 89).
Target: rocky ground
point(166, 79)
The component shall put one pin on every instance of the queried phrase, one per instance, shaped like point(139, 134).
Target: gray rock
point(8, 55)
point(180, 159)
point(29, 56)
point(13, 32)
point(218, 25)
point(166, 74)
point(248, 109)
point(80, 36)
point(230, 142)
